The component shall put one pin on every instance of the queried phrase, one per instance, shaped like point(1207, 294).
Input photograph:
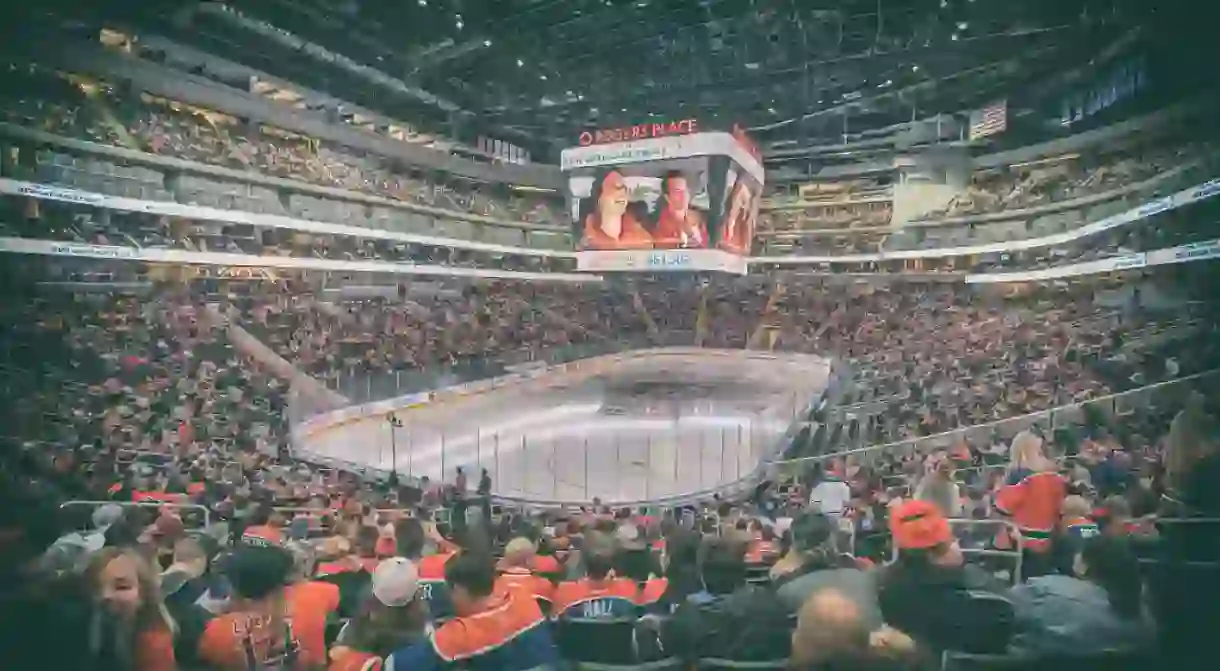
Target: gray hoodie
point(1058, 614)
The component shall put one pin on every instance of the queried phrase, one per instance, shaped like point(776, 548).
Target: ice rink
point(642, 431)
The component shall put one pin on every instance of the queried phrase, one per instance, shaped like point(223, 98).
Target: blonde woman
point(130, 628)
point(1032, 495)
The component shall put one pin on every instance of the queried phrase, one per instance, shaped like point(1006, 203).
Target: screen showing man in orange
point(737, 229)
point(608, 218)
point(678, 224)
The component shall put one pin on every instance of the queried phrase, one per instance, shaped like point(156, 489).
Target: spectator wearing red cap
point(929, 593)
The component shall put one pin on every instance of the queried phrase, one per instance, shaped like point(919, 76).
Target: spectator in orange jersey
point(433, 588)
point(1032, 499)
point(130, 627)
point(607, 220)
point(335, 556)
point(492, 632)
point(635, 562)
point(260, 629)
point(516, 572)
point(543, 562)
point(599, 594)
point(339, 566)
point(386, 545)
point(266, 527)
point(391, 617)
point(312, 603)
point(678, 224)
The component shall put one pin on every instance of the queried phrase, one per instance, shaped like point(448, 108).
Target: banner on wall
point(990, 120)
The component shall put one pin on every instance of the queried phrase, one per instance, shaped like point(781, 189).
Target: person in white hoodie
point(829, 495)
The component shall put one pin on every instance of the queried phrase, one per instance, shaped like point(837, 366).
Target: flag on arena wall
point(989, 120)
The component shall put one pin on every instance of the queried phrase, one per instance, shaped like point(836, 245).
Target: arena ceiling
point(537, 72)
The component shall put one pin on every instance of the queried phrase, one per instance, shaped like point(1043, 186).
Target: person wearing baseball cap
point(932, 595)
point(392, 616)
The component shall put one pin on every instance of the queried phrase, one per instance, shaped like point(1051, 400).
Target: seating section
point(996, 476)
point(835, 218)
point(79, 109)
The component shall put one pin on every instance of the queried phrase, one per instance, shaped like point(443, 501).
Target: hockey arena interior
point(599, 335)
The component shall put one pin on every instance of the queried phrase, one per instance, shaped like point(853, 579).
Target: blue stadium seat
point(605, 641)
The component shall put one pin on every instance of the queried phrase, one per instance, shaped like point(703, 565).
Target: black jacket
point(749, 625)
point(963, 609)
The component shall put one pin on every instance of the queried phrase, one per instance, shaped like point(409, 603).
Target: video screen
point(646, 206)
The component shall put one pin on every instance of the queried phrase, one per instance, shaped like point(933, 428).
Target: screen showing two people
point(695, 203)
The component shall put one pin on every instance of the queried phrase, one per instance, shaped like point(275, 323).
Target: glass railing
point(1163, 395)
point(362, 386)
point(541, 452)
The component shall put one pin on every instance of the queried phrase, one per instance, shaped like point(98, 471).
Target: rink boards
point(552, 437)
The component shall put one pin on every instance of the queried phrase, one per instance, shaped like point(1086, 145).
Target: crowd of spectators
point(992, 191)
point(83, 109)
point(237, 552)
point(1075, 177)
point(154, 518)
point(78, 108)
point(829, 216)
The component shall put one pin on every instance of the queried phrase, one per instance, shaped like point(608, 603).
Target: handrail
point(250, 177)
point(584, 366)
point(936, 437)
point(207, 514)
point(173, 208)
point(1178, 199)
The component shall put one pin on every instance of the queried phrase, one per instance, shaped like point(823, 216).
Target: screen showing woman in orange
point(737, 229)
point(608, 219)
